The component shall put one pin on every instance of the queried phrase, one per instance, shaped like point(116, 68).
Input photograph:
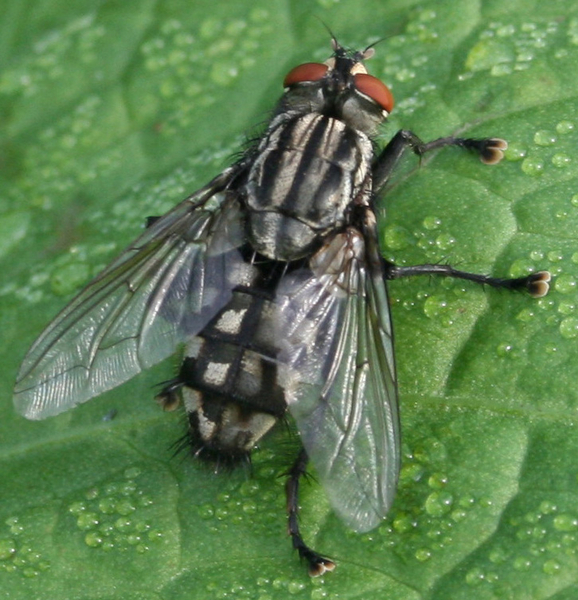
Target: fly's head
point(340, 88)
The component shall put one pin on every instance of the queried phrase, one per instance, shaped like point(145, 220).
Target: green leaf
point(113, 111)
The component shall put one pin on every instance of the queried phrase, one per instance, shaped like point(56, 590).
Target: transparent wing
point(339, 374)
point(165, 287)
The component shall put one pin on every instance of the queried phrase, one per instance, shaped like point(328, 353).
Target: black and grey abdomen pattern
point(229, 377)
point(307, 173)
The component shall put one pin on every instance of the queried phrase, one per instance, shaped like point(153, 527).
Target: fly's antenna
point(334, 43)
point(370, 50)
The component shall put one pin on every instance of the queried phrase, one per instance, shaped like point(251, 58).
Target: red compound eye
point(375, 89)
point(305, 72)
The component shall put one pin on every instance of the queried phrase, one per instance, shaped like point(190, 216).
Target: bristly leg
point(318, 564)
point(536, 284)
point(490, 151)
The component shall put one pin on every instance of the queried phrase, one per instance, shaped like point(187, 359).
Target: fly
point(272, 280)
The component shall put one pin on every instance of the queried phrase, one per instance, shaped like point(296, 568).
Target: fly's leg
point(317, 564)
point(490, 151)
point(536, 284)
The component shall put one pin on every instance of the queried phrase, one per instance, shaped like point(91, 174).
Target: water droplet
point(498, 555)
point(532, 517)
point(396, 237)
point(521, 267)
point(111, 488)
point(544, 138)
point(250, 507)
point(423, 554)
point(435, 306)
point(561, 214)
point(506, 350)
point(538, 533)
point(438, 481)
point(249, 488)
point(7, 548)
point(144, 500)
point(154, 535)
point(87, 520)
point(555, 256)
point(411, 473)
point(107, 505)
point(318, 593)
point(458, 515)
point(561, 160)
point(206, 511)
point(569, 328)
point(77, 508)
point(403, 523)
point(522, 563)
point(564, 127)
point(532, 166)
point(565, 284)
point(548, 508)
point(222, 513)
point(565, 522)
point(142, 526)
point(445, 241)
point(438, 503)
point(486, 502)
point(125, 507)
point(123, 524)
point(14, 525)
point(127, 488)
point(567, 307)
point(425, 243)
point(432, 222)
point(475, 576)
point(551, 567)
point(93, 539)
point(133, 539)
point(515, 152)
point(296, 587)
point(224, 497)
point(466, 502)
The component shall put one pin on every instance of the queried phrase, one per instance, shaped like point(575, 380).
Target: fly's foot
point(318, 565)
point(490, 150)
point(538, 283)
